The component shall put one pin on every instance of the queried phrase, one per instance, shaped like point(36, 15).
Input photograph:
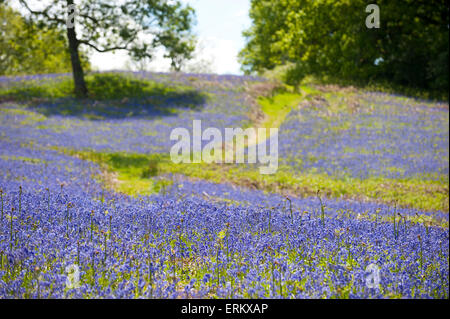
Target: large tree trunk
point(77, 70)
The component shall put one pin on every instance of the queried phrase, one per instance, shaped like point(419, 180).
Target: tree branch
point(94, 20)
point(125, 47)
point(42, 13)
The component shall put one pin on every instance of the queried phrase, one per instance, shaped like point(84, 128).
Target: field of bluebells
point(200, 239)
point(386, 136)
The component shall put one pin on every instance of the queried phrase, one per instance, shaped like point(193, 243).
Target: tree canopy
point(137, 26)
point(28, 49)
point(330, 39)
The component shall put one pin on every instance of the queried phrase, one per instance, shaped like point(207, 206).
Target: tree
point(137, 26)
point(27, 49)
point(329, 38)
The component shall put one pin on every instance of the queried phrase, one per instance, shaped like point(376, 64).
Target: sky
point(219, 29)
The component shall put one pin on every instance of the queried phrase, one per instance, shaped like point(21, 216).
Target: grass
point(132, 175)
point(278, 107)
point(380, 86)
point(101, 87)
point(29, 160)
point(109, 93)
point(138, 174)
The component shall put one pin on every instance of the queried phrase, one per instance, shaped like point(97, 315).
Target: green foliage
point(27, 48)
point(329, 39)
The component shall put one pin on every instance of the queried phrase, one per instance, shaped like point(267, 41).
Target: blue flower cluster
point(387, 137)
point(149, 132)
point(54, 216)
point(248, 197)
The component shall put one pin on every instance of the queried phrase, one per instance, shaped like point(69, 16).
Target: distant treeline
point(329, 40)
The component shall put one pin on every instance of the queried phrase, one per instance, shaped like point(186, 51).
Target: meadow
point(363, 179)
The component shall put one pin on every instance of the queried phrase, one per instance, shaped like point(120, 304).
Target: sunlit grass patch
point(54, 127)
point(132, 175)
point(23, 159)
point(137, 172)
point(278, 107)
point(29, 117)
